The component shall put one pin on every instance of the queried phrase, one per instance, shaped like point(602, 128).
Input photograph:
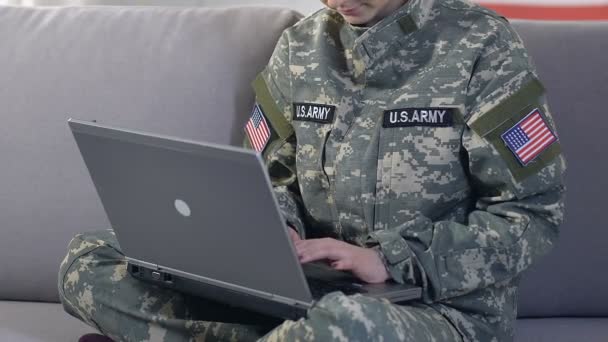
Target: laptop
point(202, 219)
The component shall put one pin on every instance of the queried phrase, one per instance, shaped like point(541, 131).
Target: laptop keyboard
point(320, 288)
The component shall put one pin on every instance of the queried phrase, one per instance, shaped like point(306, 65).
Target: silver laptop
point(202, 219)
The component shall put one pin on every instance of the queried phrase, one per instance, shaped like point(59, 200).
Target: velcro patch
point(257, 129)
point(409, 117)
point(529, 137)
point(313, 112)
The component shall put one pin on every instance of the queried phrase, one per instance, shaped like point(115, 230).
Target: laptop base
point(263, 311)
point(274, 312)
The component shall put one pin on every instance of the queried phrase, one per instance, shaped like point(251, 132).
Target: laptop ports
point(167, 278)
point(134, 269)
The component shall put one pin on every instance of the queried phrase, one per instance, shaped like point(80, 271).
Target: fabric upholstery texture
point(38, 322)
point(571, 60)
point(183, 72)
point(561, 330)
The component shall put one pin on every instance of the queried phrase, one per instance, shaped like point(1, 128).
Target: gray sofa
point(186, 72)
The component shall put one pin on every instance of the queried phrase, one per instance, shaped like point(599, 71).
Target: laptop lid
point(199, 208)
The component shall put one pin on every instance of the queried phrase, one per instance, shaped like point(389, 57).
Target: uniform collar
point(409, 18)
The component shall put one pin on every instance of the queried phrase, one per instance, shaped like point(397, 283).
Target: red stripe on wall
point(551, 12)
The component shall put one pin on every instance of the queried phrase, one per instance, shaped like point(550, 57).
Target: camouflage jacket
point(404, 136)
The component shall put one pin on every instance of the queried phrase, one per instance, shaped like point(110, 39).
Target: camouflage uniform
point(449, 206)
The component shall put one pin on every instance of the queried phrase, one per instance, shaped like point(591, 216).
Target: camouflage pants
point(95, 287)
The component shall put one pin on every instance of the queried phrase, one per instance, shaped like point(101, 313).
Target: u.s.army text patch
point(408, 117)
point(529, 137)
point(313, 112)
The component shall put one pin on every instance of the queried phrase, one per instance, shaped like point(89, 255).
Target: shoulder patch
point(525, 141)
point(257, 129)
point(529, 137)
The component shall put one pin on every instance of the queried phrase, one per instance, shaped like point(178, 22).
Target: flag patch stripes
point(257, 129)
point(529, 137)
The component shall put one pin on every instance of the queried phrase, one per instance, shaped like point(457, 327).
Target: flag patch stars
point(257, 129)
point(529, 137)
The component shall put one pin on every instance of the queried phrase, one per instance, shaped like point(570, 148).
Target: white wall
point(304, 6)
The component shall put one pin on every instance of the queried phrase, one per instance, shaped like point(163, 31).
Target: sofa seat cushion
point(561, 330)
point(38, 322)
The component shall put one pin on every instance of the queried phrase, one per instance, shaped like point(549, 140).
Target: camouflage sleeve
point(273, 91)
point(516, 209)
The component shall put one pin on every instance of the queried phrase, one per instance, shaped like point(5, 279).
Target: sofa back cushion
point(182, 72)
point(571, 60)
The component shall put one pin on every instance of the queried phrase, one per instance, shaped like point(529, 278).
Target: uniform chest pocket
point(419, 166)
point(311, 137)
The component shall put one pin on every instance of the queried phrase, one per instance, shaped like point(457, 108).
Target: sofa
point(185, 72)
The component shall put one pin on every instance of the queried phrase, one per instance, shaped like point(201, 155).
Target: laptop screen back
point(202, 209)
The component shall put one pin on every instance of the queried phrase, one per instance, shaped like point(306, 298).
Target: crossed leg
point(95, 287)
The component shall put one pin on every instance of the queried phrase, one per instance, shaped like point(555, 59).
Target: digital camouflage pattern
point(450, 208)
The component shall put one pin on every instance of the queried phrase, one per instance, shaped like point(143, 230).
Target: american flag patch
point(529, 137)
point(257, 129)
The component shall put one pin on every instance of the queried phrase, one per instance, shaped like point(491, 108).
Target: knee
point(84, 244)
point(87, 254)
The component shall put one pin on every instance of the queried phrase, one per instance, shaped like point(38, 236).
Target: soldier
point(410, 140)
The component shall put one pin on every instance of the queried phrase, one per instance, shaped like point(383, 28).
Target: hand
point(364, 263)
point(295, 237)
